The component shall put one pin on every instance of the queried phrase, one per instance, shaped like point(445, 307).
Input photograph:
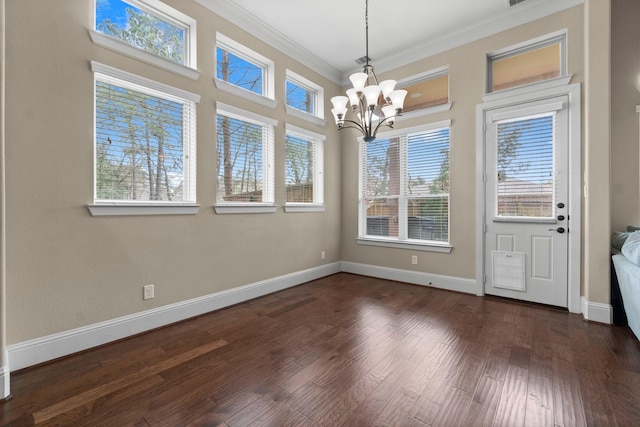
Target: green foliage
point(441, 183)
point(508, 146)
point(149, 33)
point(138, 146)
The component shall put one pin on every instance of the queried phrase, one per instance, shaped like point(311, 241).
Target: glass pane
point(299, 169)
point(240, 166)
point(428, 163)
point(382, 217)
point(525, 167)
point(301, 98)
point(382, 167)
point(140, 29)
point(238, 71)
point(525, 68)
point(427, 93)
point(139, 151)
point(428, 218)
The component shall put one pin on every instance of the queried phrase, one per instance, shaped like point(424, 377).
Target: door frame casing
point(536, 92)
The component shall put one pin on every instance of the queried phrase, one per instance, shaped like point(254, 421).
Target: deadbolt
point(560, 217)
point(560, 205)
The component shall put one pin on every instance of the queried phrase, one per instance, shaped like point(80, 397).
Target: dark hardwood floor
point(347, 350)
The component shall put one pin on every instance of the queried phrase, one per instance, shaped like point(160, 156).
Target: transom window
point(144, 140)
point(531, 62)
point(427, 90)
point(243, 68)
point(245, 156)
point(404, 184)
point(304, 166)
point(149, 25)
point(304, 95)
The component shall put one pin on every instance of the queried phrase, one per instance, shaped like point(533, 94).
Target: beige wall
point(597, 151)
point(67, 269)
point(467, 71)
point(625, 96)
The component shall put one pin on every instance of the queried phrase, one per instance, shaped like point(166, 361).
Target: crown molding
point(512, 17)
point(260, 29)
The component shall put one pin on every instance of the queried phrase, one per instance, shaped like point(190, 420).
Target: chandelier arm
point(357, 126)
point(381, 123)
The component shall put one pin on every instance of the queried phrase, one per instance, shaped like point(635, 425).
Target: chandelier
point(373, 104)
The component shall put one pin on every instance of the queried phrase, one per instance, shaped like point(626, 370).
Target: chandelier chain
point(366, 26)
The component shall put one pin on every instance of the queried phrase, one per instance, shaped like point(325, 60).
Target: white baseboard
point(449, 283)
point(39, 350)
point(51, 347)
point(4, 382)
point(597, 312)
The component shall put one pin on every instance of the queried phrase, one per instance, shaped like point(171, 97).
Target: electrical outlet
point(148, 292)
point(414, 259)
point(323, 255)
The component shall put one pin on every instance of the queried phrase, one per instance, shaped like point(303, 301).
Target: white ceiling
point(329, 35)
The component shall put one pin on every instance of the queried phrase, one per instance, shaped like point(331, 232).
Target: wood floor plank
point(120, 383)
point(347, 350)
point(513, 399)
point(484, 404)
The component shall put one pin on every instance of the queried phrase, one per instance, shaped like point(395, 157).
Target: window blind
point(525, 167)
point(144, 147)
point(302, 170)
point(245, 159)
point(405, 186)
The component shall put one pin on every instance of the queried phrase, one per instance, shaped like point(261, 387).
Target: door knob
point(559, 229)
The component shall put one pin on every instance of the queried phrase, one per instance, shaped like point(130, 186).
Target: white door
point(527, 221)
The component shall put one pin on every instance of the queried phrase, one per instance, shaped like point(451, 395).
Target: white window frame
point(160, 10)
point(559, 37)
point(417, 78)
point(107, 74)
point(400, 241)
point(268, 157)
point(268, 72)
point(298, 80)
point(318, 170)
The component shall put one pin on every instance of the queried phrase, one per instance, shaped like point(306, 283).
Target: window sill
point(305, 116)
point(126, 49)
point(245, 208)
point(243, 93)
point(425, 111)
point(538, 86)
point(139, 209)
point(427, 247)
point(303, 207)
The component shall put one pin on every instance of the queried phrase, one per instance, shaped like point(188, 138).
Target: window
point(532, 62)
point(245, 157)
point(304, 96)
point(238, 67)
point(148, 30)
point(144, 140)
point(426, 90)
point(525, 157)
point(404, 181)
point(304, 167)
